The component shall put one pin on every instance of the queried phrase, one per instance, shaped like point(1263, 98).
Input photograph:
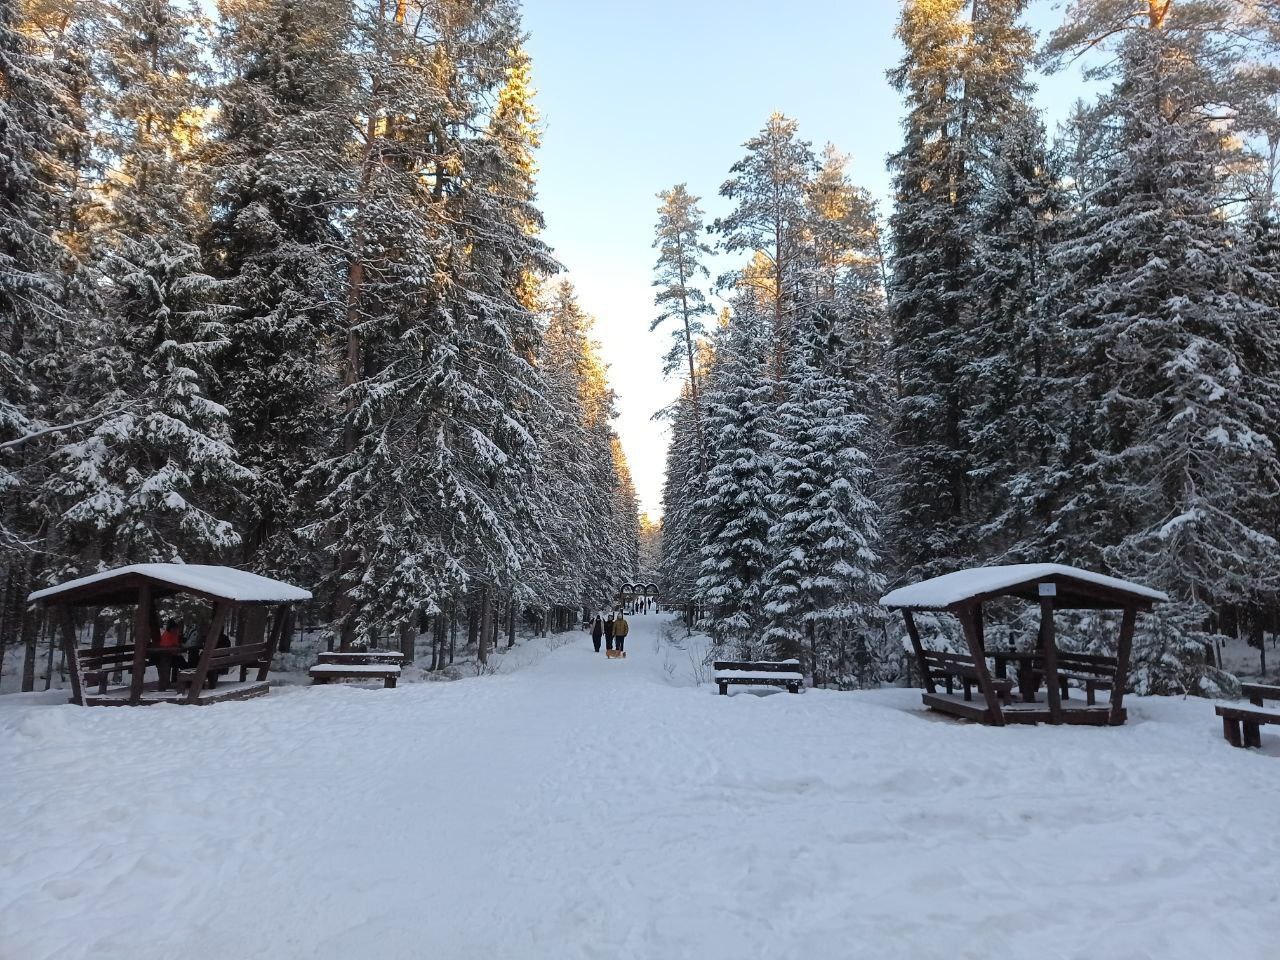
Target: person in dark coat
point(597, 631)
point(608, 633)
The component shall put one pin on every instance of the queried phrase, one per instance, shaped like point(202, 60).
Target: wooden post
point(210, 642)
point(972, 631)
point(279, 630)
point(141, 634)
point(73, 659)
point(1049, 645)
point(1123, 652)
point(925, 677)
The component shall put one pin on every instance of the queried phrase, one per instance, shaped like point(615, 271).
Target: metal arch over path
point(631, 593)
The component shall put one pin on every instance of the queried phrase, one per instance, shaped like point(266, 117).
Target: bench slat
point(759, 666)
point(354, 669)
point(749, 675)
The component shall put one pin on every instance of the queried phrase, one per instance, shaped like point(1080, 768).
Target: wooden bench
point(381, 665)
point(1093, 671)
point(96, 666)
point(224, 659)
point(1250, 718)
point(946, 668)
point(768, 673)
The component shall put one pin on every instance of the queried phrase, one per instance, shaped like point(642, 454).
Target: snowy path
point(584, 808)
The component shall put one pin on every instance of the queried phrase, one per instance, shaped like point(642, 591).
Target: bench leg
point(390, 683)
point(1231, 730)
point(793, 688)
point(1089, 694)
point(1252, 734)
point(968, 690)
point(1064, 687)
point(724, 689)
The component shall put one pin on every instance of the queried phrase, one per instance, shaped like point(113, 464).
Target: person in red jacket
point(171, 637)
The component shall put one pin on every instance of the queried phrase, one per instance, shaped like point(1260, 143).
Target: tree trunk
point(453, 629)
point(30, 634)
point(408, 634)
point(486, 625)
point(511, 624)
point(473, 625)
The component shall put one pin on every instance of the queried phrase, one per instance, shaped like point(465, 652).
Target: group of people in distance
point(613, 629)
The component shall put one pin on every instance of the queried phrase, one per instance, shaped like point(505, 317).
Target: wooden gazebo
point(145, 586)
point(1053, 586)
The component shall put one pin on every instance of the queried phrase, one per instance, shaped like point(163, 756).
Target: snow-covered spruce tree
point(624, 544)
point(428, 498)
point(277, 160)
point(1171, 442)
point(734, 510)
point(680, 267)
point(157, 477)
point(576, 556)
point(681, 529)
point(961, 79)
point(768, 189)
point(1011, 345)
point(31, 264)
point(825, 577)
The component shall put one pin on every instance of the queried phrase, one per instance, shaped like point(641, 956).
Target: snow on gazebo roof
point(225, 583)
point(950, 589)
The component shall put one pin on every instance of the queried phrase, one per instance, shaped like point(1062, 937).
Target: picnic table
point(1241, 726)
point(381, 665)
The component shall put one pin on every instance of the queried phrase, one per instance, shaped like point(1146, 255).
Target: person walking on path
point(620, 630)
point(597, 631)
point(608, 633)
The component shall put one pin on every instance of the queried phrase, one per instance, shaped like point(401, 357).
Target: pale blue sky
point(637, 95)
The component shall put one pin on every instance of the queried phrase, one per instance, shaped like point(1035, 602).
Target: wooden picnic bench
point(1241, 725)
point(769, 673)
point(1092, 671)
point(97, 666)
point(381, 665)
point(946, 668)
point(223, 660)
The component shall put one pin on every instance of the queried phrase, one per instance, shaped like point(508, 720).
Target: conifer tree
point(768, 187)
point(681, 250)
point(157, 477)
point(734, 510)
point(1011, 351)
point(825, 574)
point(682, 490)
point(961, 77)
point(277, 159)
point(1171, 436)
point(32, 290)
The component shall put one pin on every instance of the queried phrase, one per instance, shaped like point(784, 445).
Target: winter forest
point(507, 526)
point(272, 294)
point(1051, 346)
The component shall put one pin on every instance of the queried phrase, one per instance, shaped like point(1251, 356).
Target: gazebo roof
point(1074, 588)
point(120, 586)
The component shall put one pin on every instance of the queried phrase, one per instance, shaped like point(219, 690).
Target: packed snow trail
point(591, 808)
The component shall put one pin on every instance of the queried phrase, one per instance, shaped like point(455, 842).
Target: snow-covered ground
point(580, 807)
